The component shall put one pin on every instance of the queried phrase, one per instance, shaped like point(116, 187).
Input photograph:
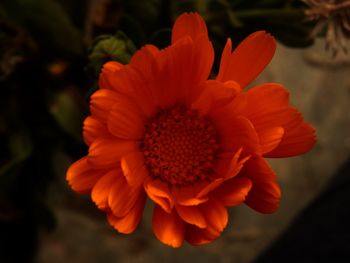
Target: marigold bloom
point(159, 129)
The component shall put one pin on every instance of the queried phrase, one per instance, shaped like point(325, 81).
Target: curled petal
point(296, 141)
point(159, 193)
point(191, 215)
point(82, 177)
point(122, 197)
point(128, 223)
point(234, 191)
point(188, 195)
point(216, 217)
point(270, 138)
point(102, 188)
point(168, 227)
point(265, 194)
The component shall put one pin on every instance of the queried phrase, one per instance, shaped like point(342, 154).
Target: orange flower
point(159, 129)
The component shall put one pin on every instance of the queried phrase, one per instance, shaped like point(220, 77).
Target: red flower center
point(180, 146)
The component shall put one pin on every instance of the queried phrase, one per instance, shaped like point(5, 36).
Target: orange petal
point(143, 58)
point(130, 221)
point(108, 69)
point(125, 121)
point(191, 215)
point(82, 177)
point(295, 141)
point(265, 194)
point(200, 236)
point(234, 191)
point(215, 214)
point(266, 96)
point(159, 193)
point(101, 103)
point(102, 189)
point(270, 138)
point(108, 152)
point(168, 227)
point(216, 217)
point(188, 24)
point(122, 197)
point(130, 82)
point(264, 197)
point(181, 68)
point(236, 132)
point(188, 195)
point(134, 169)
point(258, 169)
point(214, 93)
point(93, 129)
point(248, 59)
point(229, 165)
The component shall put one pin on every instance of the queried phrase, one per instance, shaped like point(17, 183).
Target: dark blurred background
point(51, 52)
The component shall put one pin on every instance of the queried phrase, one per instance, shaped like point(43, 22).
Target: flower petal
point(270, 138)
point(131, 83)
point(200, 236)
point(265, 194)
point(229, 165)
point(215, 214)
point(248, 59)
point(188, 24)
point(122, 197)
point(102, 188)
point(191, 215)
point(108, 69)
point(168, 227)
point(187, 195)
point(101, 103)
point(82, 177)
point(125, 121)
point(130, 221)
point(106, 152)
point(159, 193)
point(236, 132)
point(214, 93)
point(142, 60)
point(93, 129)
point(295, 142)
point(234, 191)
point(134, 169)
point(216, 217)
point(181, 68)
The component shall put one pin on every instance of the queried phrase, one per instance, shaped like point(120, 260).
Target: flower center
point(179, 146)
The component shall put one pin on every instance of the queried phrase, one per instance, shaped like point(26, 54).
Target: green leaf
point(106, 48)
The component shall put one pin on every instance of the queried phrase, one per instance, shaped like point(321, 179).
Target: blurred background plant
point(51, 52)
